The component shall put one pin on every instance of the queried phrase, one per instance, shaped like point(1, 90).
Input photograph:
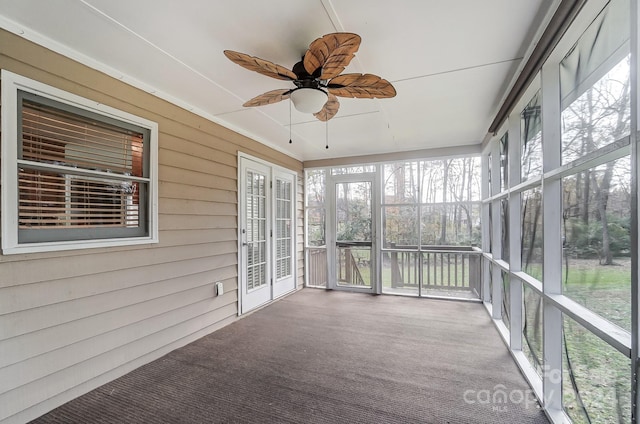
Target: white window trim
point(11, 83)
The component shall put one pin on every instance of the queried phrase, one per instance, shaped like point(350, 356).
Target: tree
point(599, 117)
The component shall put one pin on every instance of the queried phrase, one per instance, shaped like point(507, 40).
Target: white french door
point(267, 259)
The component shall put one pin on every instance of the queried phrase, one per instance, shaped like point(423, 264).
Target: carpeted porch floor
point(326, 357)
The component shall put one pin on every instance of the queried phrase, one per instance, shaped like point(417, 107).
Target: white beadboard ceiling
point(449, 60)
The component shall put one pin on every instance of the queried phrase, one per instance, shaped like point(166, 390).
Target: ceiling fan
point(317, 77)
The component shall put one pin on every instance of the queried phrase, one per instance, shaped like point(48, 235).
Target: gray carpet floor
point(326, 357)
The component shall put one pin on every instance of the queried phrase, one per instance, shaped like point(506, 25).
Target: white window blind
point(80, 175)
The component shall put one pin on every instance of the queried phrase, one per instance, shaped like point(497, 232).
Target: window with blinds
point(81, 175)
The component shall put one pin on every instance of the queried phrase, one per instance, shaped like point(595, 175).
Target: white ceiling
point(449, 60)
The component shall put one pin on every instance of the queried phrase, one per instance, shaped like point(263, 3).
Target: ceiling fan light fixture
point(308, 100)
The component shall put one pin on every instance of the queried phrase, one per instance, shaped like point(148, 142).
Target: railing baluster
point(463, 256)
point(455, 261)
point(428, 270)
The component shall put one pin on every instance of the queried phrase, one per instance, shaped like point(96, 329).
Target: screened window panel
point(504, 216)
point(490, 174)
point(531, 242)
point(80, 175)
point(315, 227)
point(452, 224)
point(490, 280)
point(596, 383)
point(399, 226)
point(451, 180)
point(531, 136)
point(532, 310)
point(506, 298)
point(359, 169)
point(315, 188)
point(504, 162)
point(401, 183)
point(596, 226)
point(600, 116)
point(600, 47)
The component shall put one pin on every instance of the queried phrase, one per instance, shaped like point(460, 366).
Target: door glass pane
point(256, 230)
point(353, 233)
point(283, 233)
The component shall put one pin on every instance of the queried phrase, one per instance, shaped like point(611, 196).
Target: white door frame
point(332, 180)
point(274, 289)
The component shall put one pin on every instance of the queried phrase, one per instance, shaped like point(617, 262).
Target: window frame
point(13, 85)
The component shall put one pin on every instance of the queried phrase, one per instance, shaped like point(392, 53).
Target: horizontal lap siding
point(71, 321)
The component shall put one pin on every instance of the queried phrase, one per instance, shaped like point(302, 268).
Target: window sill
point(75, 245)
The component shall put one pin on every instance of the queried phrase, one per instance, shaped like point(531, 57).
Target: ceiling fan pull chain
point(290, 122)
point(326, 132)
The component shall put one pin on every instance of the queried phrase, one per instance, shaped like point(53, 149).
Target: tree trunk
point(603, 197)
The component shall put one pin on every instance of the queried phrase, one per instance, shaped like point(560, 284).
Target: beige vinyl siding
point(73, 320)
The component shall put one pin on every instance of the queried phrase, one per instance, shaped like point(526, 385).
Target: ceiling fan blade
point(270, 97)
point(329, 110)
point(332, 53)
point(261, 66)
point(362, 86)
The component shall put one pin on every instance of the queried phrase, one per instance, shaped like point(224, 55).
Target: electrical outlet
point(219, 288)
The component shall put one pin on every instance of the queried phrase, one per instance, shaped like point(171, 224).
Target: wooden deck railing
point(316, 267)
point(441, 267)
point(404, 267)
point(348, 270)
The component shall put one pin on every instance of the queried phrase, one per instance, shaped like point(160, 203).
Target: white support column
point(552, 236)
point(378, 195)
point(515, 229)
point(635, 208)
point(485, 225)
point(496, 232)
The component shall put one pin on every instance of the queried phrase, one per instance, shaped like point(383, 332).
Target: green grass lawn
point(601, 373)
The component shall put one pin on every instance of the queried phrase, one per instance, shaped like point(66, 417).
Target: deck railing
point(316, 268)
point(430, 270)
point(348, 269)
